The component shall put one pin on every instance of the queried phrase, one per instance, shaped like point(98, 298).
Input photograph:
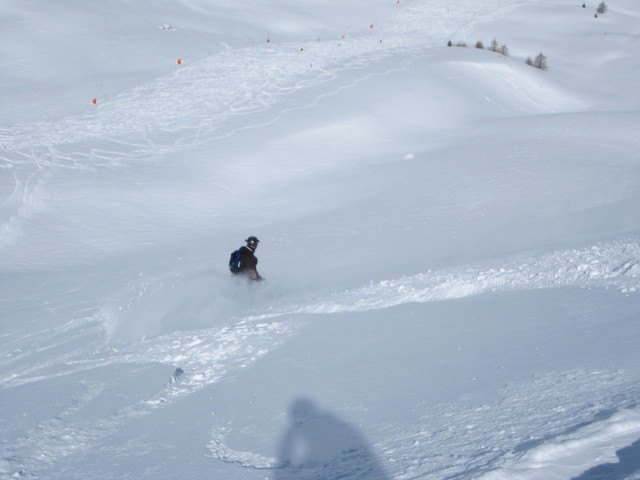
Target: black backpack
point(234, 262)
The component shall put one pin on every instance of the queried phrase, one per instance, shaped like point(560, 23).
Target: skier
point(248, 261)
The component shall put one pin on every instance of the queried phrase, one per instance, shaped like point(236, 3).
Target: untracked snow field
point(450, 238)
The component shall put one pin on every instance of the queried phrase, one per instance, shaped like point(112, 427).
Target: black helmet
point(252, 241)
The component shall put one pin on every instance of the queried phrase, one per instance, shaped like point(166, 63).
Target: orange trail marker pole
point(94, 100)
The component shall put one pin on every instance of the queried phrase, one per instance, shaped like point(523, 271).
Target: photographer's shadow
point(319, 445)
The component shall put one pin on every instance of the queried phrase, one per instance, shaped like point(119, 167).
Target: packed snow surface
point(450, 238)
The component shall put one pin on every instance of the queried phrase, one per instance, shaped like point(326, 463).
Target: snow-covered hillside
point(450, 237)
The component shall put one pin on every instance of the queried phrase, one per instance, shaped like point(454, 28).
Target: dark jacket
point(249, 263)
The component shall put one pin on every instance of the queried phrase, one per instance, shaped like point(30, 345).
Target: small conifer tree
point(540, 62)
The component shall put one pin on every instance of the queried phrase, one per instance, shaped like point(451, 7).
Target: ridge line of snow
point(615, 264)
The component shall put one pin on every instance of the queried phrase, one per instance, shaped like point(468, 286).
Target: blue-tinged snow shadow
point(628, 464)
point(598, 417)
point(319, 445)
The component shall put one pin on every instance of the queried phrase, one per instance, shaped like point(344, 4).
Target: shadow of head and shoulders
point(320, 445)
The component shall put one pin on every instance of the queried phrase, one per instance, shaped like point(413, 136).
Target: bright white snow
point(451, 240)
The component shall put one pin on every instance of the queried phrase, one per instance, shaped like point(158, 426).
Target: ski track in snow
point(614, 264)
point(204, 357)
point(195, 104)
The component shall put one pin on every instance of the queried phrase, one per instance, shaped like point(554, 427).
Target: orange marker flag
point(179, 61)
point(94, 101)
point(371, 26)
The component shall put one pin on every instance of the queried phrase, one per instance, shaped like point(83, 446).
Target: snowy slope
point(451, 240)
